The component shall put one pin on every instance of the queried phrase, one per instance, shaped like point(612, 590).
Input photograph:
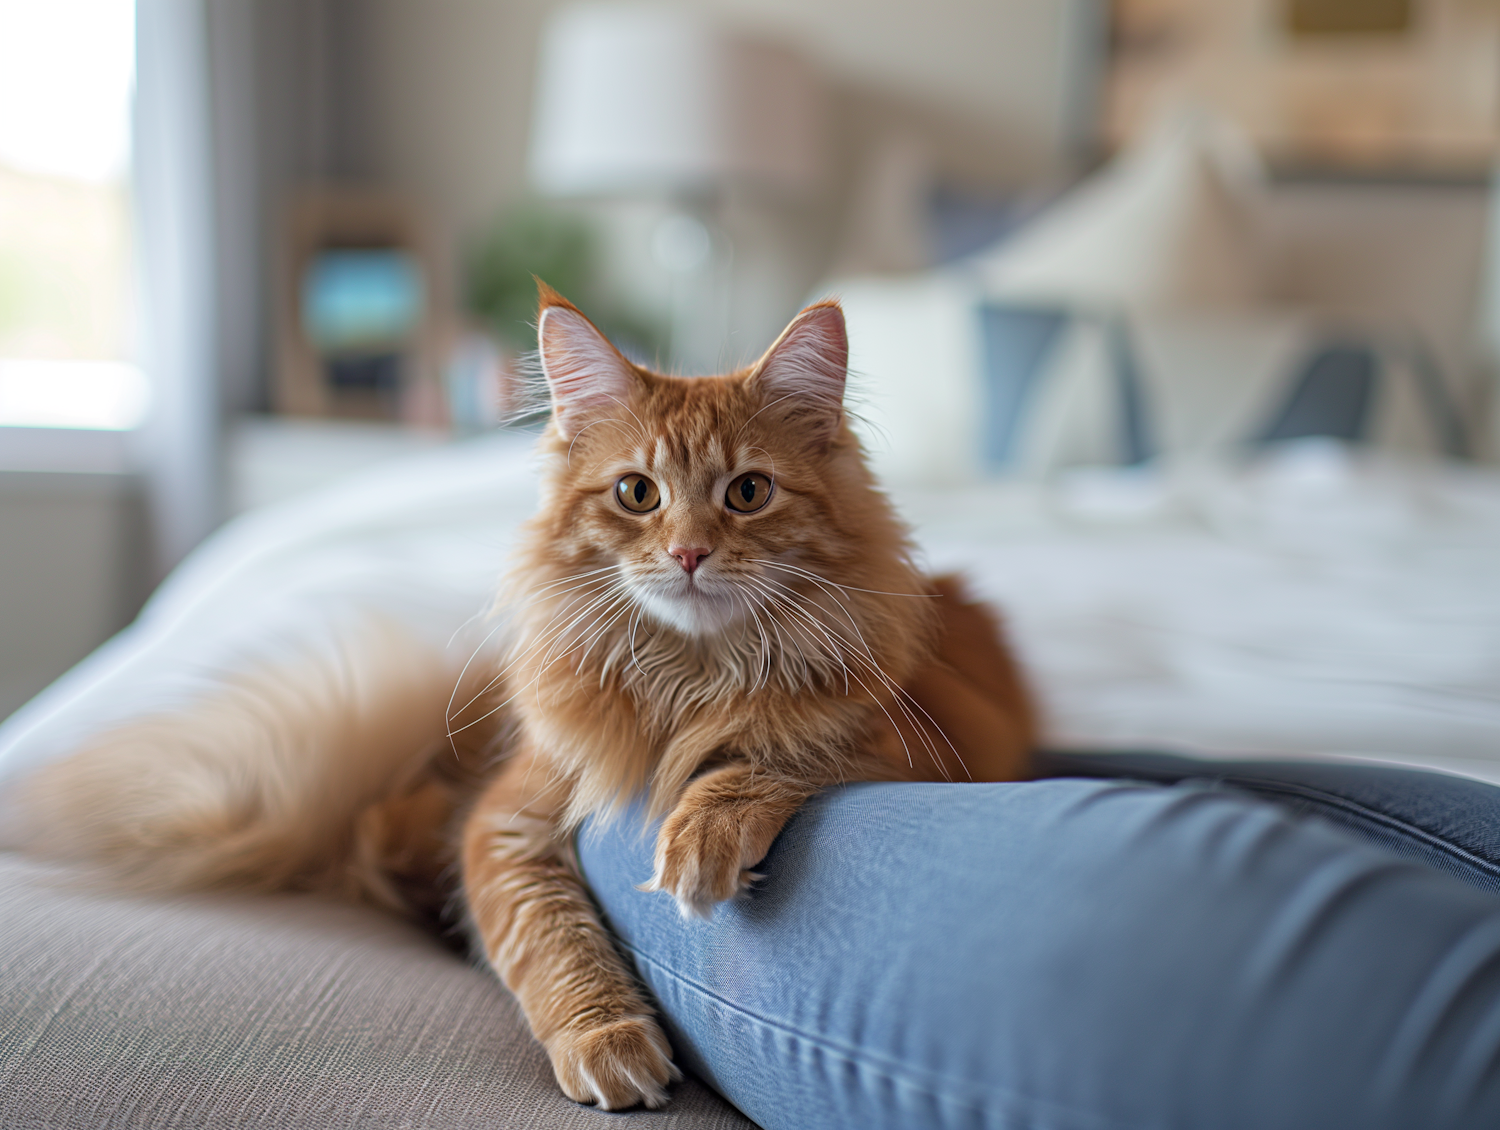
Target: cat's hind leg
point(542, 935)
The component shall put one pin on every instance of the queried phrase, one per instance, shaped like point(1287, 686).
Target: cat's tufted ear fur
point(586, 375)
point(802, 374)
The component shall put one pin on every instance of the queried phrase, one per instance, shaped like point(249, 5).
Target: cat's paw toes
point(696, 900)
point(700, 862)
point(614, 1066)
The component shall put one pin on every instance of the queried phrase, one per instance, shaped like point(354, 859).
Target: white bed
point(1314, 604)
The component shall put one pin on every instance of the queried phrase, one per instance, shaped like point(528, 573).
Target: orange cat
point(714, 607)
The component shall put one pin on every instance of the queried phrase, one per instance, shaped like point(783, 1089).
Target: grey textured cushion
point(126, 1011)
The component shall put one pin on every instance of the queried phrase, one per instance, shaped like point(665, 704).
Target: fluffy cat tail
point(313, 774)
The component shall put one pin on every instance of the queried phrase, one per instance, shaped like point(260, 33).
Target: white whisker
point(635, 622)
point(811, 576)
point(869, 660)
point(765, 643)
point(900, 696)
point(548, 664)
point(521, 655)
point(515, 659)
point(643, 435)
point(586, 427)
point(767, 407)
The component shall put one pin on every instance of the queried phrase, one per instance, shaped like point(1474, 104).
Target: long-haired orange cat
point(713, 608)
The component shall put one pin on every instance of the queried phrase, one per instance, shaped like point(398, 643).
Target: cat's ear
point(802, 375)
point(586, 375)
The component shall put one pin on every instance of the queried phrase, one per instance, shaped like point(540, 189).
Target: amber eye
point(637, 494)
point(748, 493)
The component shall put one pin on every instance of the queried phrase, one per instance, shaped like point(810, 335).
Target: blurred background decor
point(559, 244)
point(529, 242)
point(74, 541)
point(1362, 87)
point(674, 108)
point(290, 239)
point(359, 312)
point(1174, 325)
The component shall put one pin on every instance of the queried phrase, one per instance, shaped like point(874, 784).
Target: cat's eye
point(637, 494)
point(748, 493)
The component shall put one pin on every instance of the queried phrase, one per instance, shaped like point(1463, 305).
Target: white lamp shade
point(634, 99)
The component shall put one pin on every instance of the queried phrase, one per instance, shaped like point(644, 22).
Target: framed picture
point(359, 311)
point(1354, 86)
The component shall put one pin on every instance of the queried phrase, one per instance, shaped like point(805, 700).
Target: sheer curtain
point(181, 452)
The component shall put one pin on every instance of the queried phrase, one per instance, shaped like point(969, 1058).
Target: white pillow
point(1175, 387)
point(914, 356)
point(1123, 326)
point(948, 388)
point(1171, 224)
point(1168, 224)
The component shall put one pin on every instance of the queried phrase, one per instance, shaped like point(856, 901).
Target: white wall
point(434, 97)
point(990, 88)
point(990, 80)
point(72, 567)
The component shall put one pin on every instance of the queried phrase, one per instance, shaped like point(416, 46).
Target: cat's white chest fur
point(693, 606)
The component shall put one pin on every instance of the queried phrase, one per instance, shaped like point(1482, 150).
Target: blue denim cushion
point(1451, 823)
point(1077, 955)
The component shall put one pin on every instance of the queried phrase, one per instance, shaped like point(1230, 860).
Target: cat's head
point(708, 497)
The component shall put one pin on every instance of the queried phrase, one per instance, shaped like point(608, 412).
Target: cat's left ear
point(802, 375)
point(587, 376)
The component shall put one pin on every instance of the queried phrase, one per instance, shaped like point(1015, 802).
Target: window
point(66, 317)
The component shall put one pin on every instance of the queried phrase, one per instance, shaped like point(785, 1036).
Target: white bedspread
point(1313, 605)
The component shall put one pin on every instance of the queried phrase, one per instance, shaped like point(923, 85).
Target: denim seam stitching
point(1393, 823)
point(863, 1059)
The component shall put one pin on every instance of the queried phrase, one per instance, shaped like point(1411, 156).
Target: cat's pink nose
point(689, 557)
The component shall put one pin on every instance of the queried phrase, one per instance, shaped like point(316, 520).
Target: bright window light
point(66, 321)
point(107, 395)
point(66, 70)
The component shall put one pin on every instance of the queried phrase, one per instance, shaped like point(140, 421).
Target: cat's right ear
point(586, 375)
point(802, 375)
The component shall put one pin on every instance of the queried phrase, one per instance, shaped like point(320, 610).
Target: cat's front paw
point(617, 1065)
point(703, 856)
